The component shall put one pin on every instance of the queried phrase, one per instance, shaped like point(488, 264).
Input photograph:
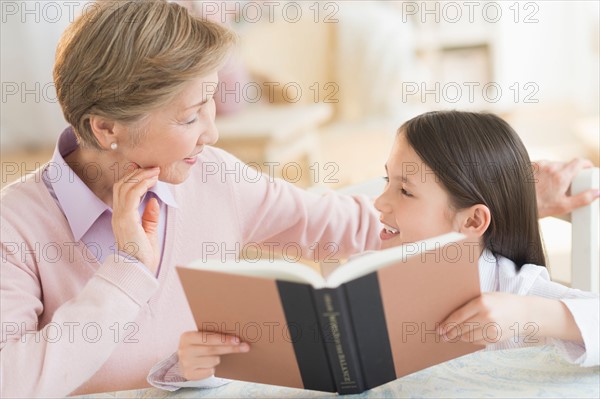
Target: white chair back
point(584, 237)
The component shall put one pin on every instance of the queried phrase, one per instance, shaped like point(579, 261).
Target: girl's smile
point(388, 232)
point(414, 205)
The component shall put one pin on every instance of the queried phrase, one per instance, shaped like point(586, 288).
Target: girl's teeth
point(391, 231)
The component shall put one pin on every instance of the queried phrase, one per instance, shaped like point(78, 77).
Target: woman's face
point(414, 205)
point(173, 136)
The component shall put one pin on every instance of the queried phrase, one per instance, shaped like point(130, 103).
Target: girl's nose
point(381, 203)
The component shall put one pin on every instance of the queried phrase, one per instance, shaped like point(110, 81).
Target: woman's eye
point(191, 122)
point(387, 179)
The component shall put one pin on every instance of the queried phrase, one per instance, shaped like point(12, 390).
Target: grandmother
point(90, 299)
point(90, 295)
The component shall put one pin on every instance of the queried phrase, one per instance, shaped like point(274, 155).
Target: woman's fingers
point(582, 199)
point(553, 180)
point(134, 236)
point(125, 210)
point(575, 166)
point(208, 338)
point(200, 352)
point(202, 362)
point(133, 169)
point(135, 186)
point(215, 350)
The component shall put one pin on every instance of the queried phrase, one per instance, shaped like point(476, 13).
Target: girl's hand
point(488, 319)
point(498, 316)
point(200, 352)
point(138, 238)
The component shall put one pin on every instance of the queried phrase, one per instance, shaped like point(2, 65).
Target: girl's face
point(175, 135)
point(414, 205)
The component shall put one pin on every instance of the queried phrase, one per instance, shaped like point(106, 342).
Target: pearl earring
point(113, 146)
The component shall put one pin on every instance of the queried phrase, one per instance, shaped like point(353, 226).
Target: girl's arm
point(553, 318)
point(584, 308)
point(502, 312)
point(537, 310)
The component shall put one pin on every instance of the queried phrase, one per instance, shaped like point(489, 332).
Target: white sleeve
point(585, 309)
point(167, 376)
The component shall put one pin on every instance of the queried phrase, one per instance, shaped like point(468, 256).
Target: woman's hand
point(553, 180)
point(138, 238)
point(497, 316)
point(200, 352)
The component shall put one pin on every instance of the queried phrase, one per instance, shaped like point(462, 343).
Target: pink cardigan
point(72, 326)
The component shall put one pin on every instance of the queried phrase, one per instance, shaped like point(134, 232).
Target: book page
point(293, 272)
point(379, 259)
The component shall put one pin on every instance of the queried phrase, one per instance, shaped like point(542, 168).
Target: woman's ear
point(104, 130)
point(474, 221)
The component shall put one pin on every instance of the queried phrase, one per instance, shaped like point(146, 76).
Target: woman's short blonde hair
point(124, 58)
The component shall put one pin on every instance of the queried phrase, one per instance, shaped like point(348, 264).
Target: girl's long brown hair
point(480, 159)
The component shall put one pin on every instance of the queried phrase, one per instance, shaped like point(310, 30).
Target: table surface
point(526, 372)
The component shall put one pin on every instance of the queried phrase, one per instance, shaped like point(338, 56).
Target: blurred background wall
point(373, 64)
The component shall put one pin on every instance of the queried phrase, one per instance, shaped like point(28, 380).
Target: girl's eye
point(404, 192)
point(387, 179)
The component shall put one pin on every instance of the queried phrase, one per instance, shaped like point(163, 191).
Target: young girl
point(469, 172)
point(465, 172)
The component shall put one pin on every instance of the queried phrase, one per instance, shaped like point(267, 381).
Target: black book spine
point(338, 338)
point(301, 317)
point(364, 301)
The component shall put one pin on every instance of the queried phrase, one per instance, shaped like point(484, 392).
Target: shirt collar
point(488, 271)
point(81, 206)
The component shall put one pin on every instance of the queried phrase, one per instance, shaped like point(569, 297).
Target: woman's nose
point(210, 135)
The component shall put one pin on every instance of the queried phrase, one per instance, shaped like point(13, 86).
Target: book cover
point(371, 321)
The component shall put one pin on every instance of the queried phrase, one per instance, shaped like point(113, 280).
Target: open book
point(371, 321)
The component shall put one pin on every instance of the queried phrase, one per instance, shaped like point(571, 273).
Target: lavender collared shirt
point(90, 218)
